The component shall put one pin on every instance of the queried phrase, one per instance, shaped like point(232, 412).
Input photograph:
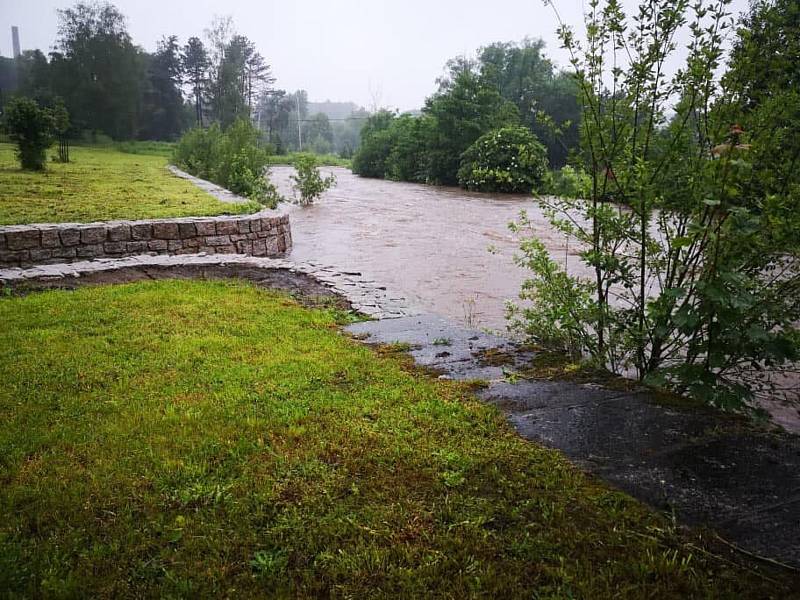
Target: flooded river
point(428, 244)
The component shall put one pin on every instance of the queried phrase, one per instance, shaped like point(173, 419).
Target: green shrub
point(509, 160)
point(32, 129)
point(307, 181)
point(569, 182)
point(234, 159)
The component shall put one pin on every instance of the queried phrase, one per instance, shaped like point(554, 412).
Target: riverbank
point(200, 437)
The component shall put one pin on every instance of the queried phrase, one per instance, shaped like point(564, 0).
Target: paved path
point(364, 295)
point(710, 469)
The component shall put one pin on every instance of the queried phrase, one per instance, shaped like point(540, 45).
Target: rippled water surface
point(427, 244)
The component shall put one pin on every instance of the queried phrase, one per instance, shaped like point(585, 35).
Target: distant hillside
point(333, 110)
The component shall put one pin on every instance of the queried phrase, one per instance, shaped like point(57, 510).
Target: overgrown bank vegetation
point(204, 439)
point(697, 279)
point(508, 86)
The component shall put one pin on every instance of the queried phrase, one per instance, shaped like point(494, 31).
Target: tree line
point(508, 85)
point(111, 86)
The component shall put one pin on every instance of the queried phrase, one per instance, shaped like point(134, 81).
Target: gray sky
point(337, 50)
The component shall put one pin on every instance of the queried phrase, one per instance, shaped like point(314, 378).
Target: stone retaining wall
point(260, 234)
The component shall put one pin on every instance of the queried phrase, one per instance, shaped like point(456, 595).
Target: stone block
point(166, 231)
point(64, 252)
point(243, 225)
point(50, 238)
point(206, 228)
point(173, 245)
point(135, 247)
point(157, 245)
point(187, 230)
point(272, 246)
point(93, 235)
point(264, 234)
point(217, 240)
point(244, 247)
point(227, 227)
point(90, 250)
point(239, 237)
point(115, 247)
point(227, 249)
point(70, 237)
point(141, 231)
point(281, 244)
point(23, 239)
point(192, 243)
point(259, 248)
point(13, 257)
point(119, 233)
point(40, 254)
point(255, 225)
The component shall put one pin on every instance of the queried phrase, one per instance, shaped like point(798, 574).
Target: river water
point(431, 246)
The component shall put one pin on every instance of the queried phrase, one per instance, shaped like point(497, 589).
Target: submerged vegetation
point(193, 438)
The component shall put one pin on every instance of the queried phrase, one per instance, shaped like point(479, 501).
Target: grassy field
point(327, 160)
point(100, 184)
point(196, 439)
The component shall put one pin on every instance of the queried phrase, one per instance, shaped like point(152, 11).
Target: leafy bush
point(32, 128)
point(569, 182)
point(376, 144)
point(234, 159)
point(307, 181)
point(507, 160)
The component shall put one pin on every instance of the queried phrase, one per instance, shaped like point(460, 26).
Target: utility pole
point(299, 128)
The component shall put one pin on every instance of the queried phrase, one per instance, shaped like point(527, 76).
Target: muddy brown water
point(431, 246)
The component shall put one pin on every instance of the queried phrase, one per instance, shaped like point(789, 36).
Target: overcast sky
point(335, 49)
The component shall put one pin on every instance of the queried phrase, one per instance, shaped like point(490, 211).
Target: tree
point(376, 144)
point(460, 114)
point(195, 64)
point(163, 100)
point(31, 128)
point(506, 160)
point(308, 181)
point(102, 71)
point(695, 286)
point(319, 134)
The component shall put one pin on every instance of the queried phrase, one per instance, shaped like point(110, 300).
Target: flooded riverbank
point(430, 245)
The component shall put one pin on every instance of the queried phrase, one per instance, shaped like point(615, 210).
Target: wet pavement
point(741, 480)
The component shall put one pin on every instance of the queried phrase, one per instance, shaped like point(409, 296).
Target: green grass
point(100, 184)
point(206, 439)
point(327, 160)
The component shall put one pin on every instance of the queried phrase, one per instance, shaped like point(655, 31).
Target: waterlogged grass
point(100, 184)
point(197, 439)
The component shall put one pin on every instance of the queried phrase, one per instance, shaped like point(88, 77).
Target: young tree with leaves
point(696, 276)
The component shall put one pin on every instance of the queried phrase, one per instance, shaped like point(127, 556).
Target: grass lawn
point(100, 184)
point(200, 439)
